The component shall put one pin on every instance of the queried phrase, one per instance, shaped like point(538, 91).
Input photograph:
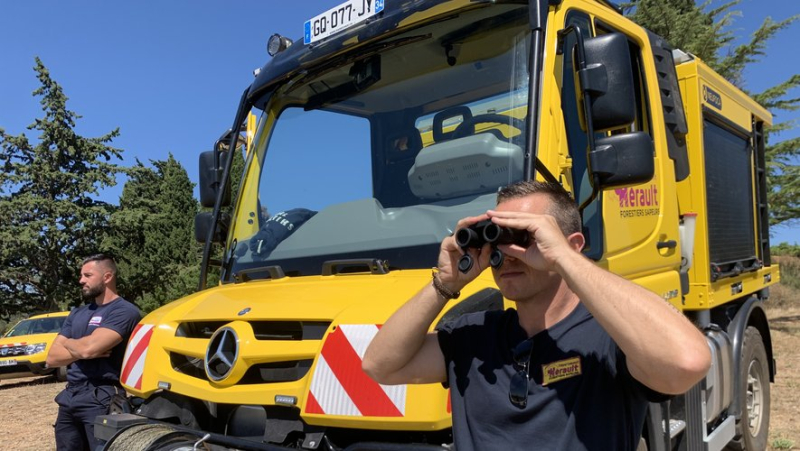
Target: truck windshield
point(378, 153)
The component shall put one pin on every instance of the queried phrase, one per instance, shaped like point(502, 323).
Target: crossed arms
point(67, 350)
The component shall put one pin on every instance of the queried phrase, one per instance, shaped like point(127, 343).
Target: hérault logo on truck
point(636, 202)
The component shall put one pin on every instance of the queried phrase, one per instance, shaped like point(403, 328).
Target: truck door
point(624, 226)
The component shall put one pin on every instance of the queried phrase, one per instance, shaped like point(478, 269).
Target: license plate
point(340, 18)
point(8, 362)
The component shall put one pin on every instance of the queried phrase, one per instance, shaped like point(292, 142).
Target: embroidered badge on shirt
point(95, 321)
point(563, 369)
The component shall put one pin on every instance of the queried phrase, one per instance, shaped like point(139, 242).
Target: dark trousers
point(78, 405)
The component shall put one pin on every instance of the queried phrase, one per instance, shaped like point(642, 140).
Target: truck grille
point(263, 330)
point(271, 372)
point(257, 374)
point(12, 350)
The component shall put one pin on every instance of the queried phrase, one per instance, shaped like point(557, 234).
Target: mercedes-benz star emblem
point(222, 352)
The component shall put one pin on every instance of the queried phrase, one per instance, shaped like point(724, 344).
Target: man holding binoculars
point(572, 367)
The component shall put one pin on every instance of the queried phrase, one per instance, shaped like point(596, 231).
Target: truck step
point(676, 427)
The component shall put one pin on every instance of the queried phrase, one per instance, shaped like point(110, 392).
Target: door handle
point(669, 244)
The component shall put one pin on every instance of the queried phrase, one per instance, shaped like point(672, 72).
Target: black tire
point(753, 427)
point(61, 374)
point(140, 437)
point(152, 437)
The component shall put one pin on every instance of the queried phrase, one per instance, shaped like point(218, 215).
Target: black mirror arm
point(537, 20)
point(586, 87)
point(241, 115)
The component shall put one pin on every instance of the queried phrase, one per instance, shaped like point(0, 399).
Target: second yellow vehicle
point(23, 349)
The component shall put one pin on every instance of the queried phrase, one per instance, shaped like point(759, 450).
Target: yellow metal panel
point(704, 296)
point(701, 87)
point(247, 202)
point(736, 106)
point(665, 284)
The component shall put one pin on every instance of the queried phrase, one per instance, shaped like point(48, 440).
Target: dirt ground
point(29, 411)
point(784, 430)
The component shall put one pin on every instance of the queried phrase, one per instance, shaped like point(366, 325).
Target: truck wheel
point(152, 437)
point(753, 427)
point(139, 436)
point(61, 374)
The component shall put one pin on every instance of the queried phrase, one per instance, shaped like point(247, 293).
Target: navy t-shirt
point(580, 393)
point(120, 316)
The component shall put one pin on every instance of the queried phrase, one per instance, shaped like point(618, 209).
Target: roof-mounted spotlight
point(277, 44)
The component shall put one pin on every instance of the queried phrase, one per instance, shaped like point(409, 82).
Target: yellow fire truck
point(381, 128)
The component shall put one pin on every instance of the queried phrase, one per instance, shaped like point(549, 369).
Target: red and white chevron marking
point(340, 387)
point(135, 354)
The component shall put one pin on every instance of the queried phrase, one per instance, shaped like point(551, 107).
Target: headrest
point(471, 165)
point(439, 134)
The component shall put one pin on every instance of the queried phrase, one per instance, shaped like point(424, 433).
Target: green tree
point(50, 216)
point(705, 32)
point(152, 233)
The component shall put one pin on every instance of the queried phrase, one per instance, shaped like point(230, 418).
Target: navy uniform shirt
point(580, 393)
point(120, 316)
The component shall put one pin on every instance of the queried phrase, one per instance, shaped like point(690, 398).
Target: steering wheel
point(468, 126)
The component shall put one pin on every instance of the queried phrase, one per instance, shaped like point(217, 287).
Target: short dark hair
point(104, 259)
point(562, 206)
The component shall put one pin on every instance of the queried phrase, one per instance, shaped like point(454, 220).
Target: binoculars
point(487, 232)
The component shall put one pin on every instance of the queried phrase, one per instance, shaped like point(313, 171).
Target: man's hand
point(404, 351)
point(547, 242)
point(58, 355)
point(450, 253)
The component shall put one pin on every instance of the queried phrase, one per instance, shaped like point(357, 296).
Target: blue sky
point(169, 74)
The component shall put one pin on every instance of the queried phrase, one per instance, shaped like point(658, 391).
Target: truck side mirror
point(204, 221)
point(620, 160)
point(210, 174)
point(607, 78)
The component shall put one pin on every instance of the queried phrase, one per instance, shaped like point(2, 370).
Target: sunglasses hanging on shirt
point(518, 387)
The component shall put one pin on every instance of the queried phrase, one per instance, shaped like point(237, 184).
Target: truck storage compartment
point(729, 196)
